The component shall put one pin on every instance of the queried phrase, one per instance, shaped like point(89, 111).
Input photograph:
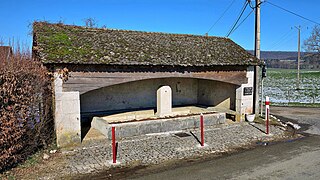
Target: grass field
point(281, 86)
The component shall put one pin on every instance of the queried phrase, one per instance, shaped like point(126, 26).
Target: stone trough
point(145, 122)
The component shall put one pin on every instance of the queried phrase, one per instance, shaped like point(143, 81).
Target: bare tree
point(312, 44)
point(90, 22)
point(61, 20)
point(1, 41)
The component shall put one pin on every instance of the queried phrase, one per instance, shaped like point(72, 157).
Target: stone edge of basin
point(136, 128)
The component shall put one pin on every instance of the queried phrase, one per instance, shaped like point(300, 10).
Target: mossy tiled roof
point(58, 43)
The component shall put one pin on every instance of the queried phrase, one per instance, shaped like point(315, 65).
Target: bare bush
point(90, 22)
point(26, 122)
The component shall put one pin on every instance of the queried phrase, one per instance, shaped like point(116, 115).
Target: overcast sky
point(173, 16)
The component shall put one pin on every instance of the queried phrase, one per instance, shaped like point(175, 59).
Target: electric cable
point(221, 15)
point(292, 13)
point(242, 21)
point(285, 41)
point(282, 38)
point(239, 17)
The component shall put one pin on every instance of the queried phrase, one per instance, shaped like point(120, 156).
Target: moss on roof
point(58, 43)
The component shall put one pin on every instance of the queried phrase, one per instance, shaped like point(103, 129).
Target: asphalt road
point(309, 118)
point(298, 159)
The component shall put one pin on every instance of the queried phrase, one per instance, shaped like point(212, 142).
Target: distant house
point(5, 52)
point(115, 70)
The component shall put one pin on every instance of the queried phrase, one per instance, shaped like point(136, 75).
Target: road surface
point(298, 159)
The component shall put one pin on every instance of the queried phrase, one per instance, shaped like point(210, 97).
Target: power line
point(292, 13)
point(242, 21)
point(239, 17)
point(221, 16)
point(252, 7)
point(285, 41)
point(282, 38)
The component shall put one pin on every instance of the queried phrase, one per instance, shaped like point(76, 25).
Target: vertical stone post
point(57, 83)
point(67, 119)
point(239, 109)
point(66, 115)
point(164, 101)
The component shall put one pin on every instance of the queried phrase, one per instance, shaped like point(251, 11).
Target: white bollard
point(267, 114)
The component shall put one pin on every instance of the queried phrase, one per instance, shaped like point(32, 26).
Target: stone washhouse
point(99, 72)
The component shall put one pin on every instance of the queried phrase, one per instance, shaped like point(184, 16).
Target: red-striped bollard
point(267, 114)
point(201, 128)
point(114, 153)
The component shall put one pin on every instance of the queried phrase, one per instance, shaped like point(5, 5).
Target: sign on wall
point(247, 91)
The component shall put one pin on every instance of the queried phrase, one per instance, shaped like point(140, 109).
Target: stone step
point(136, 128)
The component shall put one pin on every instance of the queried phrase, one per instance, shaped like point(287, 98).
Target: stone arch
point(87, 81)
point(141, 94)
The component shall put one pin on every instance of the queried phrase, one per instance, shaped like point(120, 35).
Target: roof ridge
point(128, 30)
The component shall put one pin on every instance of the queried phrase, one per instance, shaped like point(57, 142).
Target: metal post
point(267, 114)
point(201, 129)
point(114, 154)
point(267, 122)
point(261, 108)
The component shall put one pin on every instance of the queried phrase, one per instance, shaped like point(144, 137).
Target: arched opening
point(137, 95)
point(141, 95)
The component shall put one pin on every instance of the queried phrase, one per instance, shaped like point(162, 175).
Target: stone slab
point(129, 129)
point(128, 116)
point(149, 114)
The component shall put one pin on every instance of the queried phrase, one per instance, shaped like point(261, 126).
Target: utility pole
point(257, 55)
point(298, 74)
point(257, 31)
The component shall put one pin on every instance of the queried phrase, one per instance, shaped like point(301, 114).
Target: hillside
point(288, 59)
point(281, 55)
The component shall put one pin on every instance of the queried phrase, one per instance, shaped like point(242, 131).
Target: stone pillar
point(164, 101)
point(67, 118)
point(66, 115)
point(239, 110)
point(244, 96)
point(57, 83)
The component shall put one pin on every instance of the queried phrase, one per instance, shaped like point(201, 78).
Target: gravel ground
point(95, 156)
point(159, 148)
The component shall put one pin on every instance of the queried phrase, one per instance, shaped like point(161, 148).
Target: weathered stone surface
point(164, 101)
point(57, 83)
point(67, 118)
point(156, 126)
point(244, 102)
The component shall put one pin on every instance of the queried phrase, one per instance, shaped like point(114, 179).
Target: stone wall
point(215, 93)
point(244, 96)
point(139, 95)
point(142, 94)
